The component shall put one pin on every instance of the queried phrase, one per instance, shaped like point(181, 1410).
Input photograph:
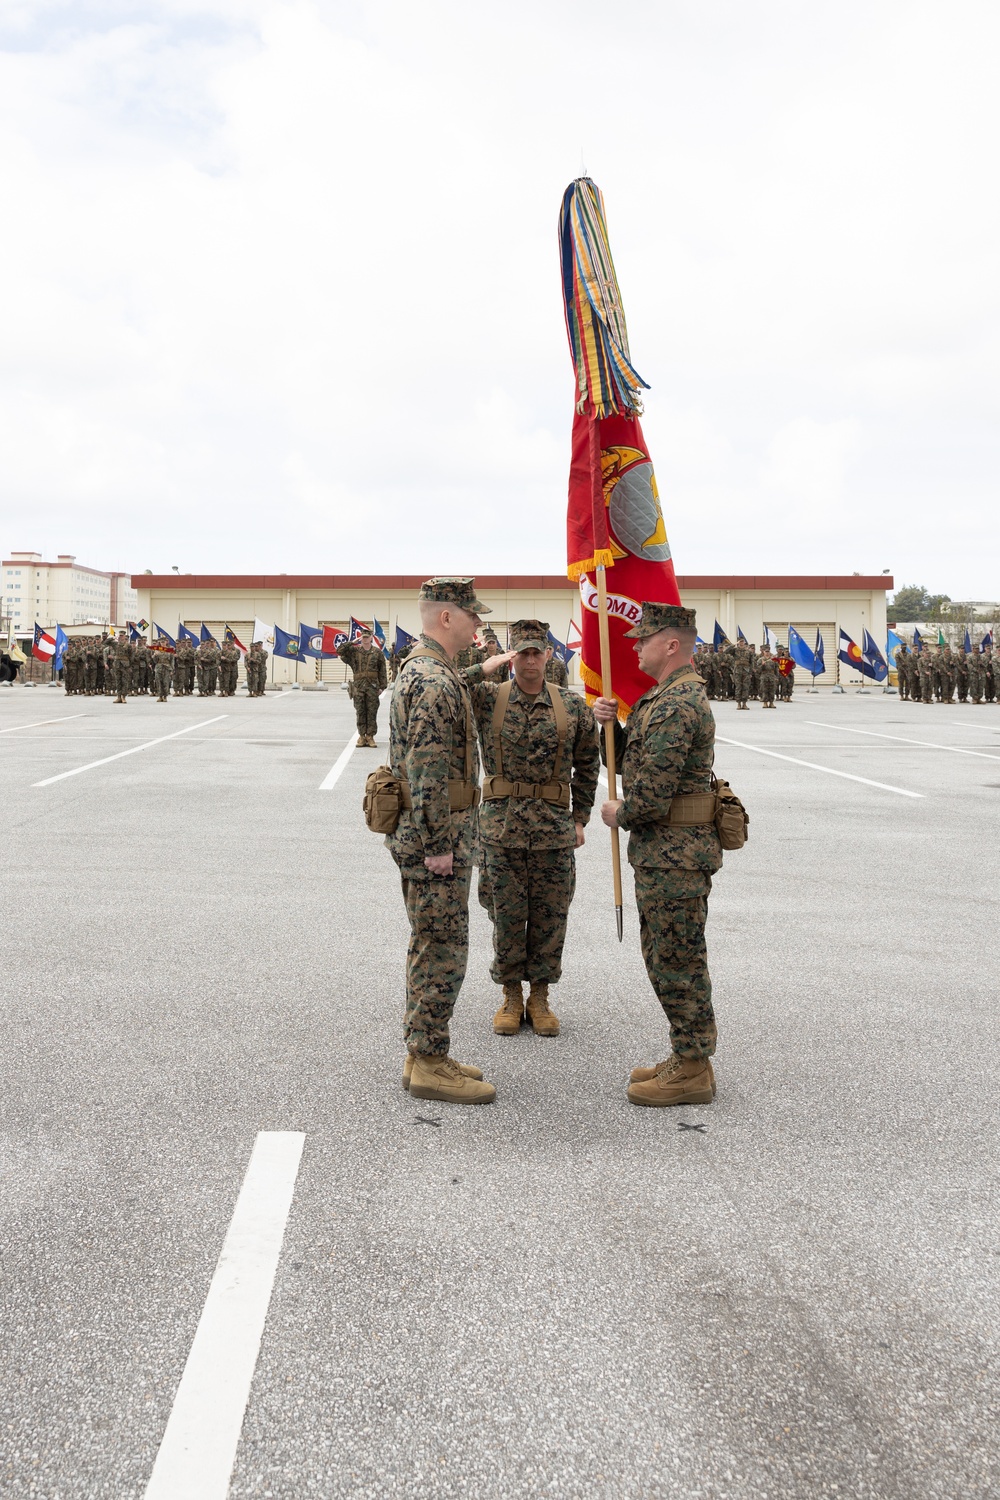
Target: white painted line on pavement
point(195, 1460)
point(333, 775)
point(63, 719)
point(827, 770)
point(902, 739)
point(133, 751)
point(968, 724)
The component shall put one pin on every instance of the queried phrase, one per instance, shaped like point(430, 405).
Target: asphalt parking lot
point(790, 1293)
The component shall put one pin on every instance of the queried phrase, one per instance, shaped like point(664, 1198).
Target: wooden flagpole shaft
point(609, 737)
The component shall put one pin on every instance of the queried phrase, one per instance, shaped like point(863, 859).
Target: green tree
point(911, 602)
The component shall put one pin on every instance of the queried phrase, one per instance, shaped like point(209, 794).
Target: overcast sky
point(280, 281)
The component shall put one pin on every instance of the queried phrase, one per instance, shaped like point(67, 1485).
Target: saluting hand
point(494, 663)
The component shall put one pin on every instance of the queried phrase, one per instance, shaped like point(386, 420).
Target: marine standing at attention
point(667, 807)
point(366, 661)
point(433, 755)
point(540, 752)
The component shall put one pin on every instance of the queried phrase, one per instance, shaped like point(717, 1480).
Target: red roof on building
point(389, 583)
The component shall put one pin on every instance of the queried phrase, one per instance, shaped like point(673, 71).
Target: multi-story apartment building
point(63, 593)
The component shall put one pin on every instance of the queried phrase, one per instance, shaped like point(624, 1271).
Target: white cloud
point(281, 279)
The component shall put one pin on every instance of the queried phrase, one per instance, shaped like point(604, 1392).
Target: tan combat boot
point(507, 1021)
point(681, 1080)
point(466, 1068)
point(441, 1078)
point(643, 1075)
point(362, 742)
point(543, 1022)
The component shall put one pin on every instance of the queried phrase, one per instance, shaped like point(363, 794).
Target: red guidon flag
point(614, 515)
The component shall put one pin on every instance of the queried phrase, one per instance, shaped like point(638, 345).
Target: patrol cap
point(657, 617)
point(460, 591)
point(529, 635)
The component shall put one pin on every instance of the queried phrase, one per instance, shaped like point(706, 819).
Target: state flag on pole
point(206, 634)
point(403, 639)
point(987, 640)
point(62, 641)
point(333, 639)
point(818, 652)
point(739, 634)
point(285, 644)
point(967, 643)
point(264, 634)
point(229, 635)
point(613, 517)
point(720, 638)
point(311, 641)
point(161, 636)
point(183, 634)
point(560, 649)
point(850, 652)
point(43, 647)
point(379, 635)
point(875, 661)
point(771, 640)
point(357, 629)
point(802, 655)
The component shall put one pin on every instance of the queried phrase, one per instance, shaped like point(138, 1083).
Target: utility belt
point(690, 809)
point(497, 787)
point(461, 794)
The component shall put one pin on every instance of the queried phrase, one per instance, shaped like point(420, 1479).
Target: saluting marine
point(541, 757)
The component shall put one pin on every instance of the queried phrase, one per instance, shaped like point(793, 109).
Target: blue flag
point(403, 639)
point(62, 641)
point(874, 660)
point(801, 654)
point(967, 643)
point(379, 635)
point(818, 653)
point(918, 644)
point(206, 634)
point(311, 642)
point(285, 644)
point(134, 633)
point(721, 638)
point(987, 640)
point(739, 634)
point(699, 642)
point(161, 635)
point(560, 649)
point(183, 634)
point(892, 645)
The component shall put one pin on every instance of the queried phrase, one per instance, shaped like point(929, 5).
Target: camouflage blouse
point(427, 736)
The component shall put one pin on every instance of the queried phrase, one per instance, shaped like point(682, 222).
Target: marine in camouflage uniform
point(229, 668)
point(163, 671)
point(73, 667)
point(925, 674)
point(91, 655)
point(975, 671)
point(903, 672)
point(962, 675)
point(256, 669)
point(184, 661)
point(555, 670)
point(366, 661)
point(742, 675)
point(207, 660)
point(786, 675)
point(121, 656)
point(667, 752)
point(432, 750)
point(768, 677)
point(491, 649)
point(989, 674)
point(535, 806)
point(472, 656)
point(949, 675)
point(140, 668)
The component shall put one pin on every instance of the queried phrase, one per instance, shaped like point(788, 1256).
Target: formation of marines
point(112, 665)
point(454, 703)
point(741, 672)
point(937, 674)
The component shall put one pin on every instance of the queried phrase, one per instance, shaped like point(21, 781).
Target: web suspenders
point(498, 786)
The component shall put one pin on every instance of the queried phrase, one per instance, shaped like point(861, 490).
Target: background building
point(63, 593)
point(853, 603)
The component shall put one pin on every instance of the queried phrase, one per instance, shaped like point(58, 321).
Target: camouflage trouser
point(366, 708)
point(527, 893)
point(228, 675)
point(162, 673)
point(208, 677)
point(672, 932)
point(741, 684)
point(767, 689)
point(785, 685)
point(120, 676)
point(438, 912)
